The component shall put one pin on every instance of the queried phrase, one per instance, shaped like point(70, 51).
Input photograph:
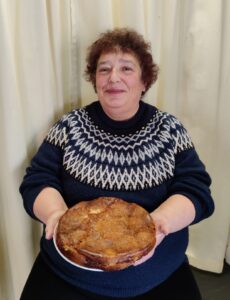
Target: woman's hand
point(159, 238)
point(49, 206)
point(176, 213)
point(52, 222)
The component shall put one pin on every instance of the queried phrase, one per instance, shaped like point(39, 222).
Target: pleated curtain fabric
point(35, 78)
point(43, 48)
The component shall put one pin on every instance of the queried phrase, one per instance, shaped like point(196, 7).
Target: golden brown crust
point(106, 233)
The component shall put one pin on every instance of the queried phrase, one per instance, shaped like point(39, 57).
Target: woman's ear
point(144, 87)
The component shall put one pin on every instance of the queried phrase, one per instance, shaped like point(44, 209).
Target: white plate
point(68, 260)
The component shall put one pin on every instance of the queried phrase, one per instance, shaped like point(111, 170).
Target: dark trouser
point(43, 284)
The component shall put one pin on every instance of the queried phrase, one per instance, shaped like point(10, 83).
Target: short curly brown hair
point(127, 41)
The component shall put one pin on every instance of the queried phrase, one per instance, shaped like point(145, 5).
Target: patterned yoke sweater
point(144, 160)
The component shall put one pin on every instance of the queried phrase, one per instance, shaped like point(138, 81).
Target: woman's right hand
point(48, 207)
point(52, 221)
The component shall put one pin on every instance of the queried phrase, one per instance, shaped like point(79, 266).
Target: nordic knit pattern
point(136, 161)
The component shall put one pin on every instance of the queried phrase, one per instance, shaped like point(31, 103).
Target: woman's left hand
point(172, 215)
point(159, 238)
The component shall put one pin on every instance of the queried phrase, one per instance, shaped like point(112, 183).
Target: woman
point(118, 146)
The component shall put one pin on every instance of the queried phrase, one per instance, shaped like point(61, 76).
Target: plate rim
point(68, 260)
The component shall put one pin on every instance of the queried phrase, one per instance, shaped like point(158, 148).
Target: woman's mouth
point(114, 91)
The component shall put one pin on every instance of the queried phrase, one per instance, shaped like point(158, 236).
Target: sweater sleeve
point(190, 177)
point(45, 167)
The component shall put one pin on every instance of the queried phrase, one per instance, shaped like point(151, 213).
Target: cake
point(105, 233)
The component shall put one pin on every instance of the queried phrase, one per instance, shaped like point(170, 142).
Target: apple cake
point(106, 233)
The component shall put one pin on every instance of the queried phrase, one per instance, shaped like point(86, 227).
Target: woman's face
point(118, 84)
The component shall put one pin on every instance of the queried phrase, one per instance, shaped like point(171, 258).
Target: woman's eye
point(103, 70)
point(127, 69)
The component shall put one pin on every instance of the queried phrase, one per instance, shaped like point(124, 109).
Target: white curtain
point(43, 47)
point(35, 79)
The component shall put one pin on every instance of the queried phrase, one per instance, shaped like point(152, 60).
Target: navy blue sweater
point(143, 160)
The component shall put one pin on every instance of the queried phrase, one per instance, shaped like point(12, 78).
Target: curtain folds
point(43, 48)
point(35, 72)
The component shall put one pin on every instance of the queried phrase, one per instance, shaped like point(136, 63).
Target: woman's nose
point(114, 76)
